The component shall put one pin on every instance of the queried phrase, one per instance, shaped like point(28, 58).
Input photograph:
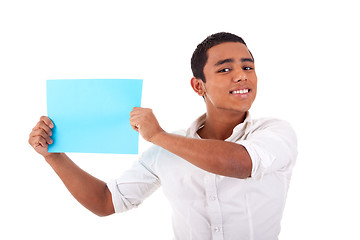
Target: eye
point(248, 68)
point(224, 70)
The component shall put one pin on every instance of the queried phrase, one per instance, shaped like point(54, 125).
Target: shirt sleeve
point(135, 184)
point(272, 147)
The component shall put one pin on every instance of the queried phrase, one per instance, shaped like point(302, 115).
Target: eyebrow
point(231, 60)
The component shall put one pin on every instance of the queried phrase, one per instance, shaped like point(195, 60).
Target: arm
point(216, 156)
point(91, 192)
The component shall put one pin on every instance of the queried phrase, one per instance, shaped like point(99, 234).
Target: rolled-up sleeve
point(272, 147)
point(135, 184)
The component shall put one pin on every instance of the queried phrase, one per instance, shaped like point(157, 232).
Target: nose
point(239, 75)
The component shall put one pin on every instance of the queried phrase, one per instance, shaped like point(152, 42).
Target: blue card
point(92, 115)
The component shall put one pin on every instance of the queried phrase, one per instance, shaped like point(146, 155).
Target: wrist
point(156, 139)
point(50, 157)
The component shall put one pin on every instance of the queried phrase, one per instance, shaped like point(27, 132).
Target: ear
point(198, 85)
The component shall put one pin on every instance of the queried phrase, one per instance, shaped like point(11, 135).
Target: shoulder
point(265, 128)
point(271, 124)
point(263, 123)
point(271, 144)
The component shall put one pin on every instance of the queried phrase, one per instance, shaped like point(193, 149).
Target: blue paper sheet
point(92, 115)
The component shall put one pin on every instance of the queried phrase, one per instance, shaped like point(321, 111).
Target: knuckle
point(36, 132)
point(45, 120)
point(36, 126)
point(31, 135)
point(35, 140)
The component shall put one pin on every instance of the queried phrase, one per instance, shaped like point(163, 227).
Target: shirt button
point(217, 229)
point(212, 198)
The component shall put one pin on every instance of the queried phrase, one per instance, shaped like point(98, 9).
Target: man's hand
point(144, 121)
point(39, 137)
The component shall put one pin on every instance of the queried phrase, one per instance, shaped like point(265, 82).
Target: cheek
point(254, 96)
point(254, 90)
point(254, 84)
point(216, 95)
point(254, 78)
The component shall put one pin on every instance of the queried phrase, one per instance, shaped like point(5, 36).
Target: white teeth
point(240, 91)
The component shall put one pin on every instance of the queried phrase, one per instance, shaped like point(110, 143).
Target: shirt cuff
point(115, 196)
point(261, 160)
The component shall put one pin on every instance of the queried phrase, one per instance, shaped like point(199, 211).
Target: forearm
point(216, 156)
point(91, 192)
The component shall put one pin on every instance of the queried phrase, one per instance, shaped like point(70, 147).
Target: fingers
point(36, 141)
point(139, 110)
point(134, 123)
point(144, 121)
point(138, 115)
point(40, 134)
point(135, 127)
point(46, 123)
point(43, 135)
point(135, 117)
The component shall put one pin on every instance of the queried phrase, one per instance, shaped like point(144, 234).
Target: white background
point(306, 54)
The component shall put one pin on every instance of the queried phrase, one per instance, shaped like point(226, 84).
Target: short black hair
point(199, 57)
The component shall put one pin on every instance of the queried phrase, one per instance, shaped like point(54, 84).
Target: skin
point(228, 68)
point(91, 192)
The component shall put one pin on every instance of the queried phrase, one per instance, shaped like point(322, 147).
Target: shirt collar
point(199, 122)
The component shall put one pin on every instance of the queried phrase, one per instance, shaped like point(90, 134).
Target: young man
point(226, 177)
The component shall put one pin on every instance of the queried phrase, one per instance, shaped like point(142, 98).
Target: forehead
point(228, 50)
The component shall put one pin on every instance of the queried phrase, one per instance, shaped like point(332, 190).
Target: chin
point(243, 108)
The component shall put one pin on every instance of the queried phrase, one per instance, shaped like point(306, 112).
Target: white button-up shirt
point(210, 206)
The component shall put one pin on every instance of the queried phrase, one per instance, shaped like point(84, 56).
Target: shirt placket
point(213, 207)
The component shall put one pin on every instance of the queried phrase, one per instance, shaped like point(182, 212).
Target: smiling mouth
point(242, 91)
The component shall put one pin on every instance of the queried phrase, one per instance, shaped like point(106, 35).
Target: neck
point(220, 126)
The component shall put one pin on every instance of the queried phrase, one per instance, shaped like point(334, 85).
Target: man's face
point(230, 77)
